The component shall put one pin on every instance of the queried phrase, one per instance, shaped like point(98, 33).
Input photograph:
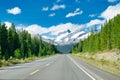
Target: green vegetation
point(102, 49)
point(109, 66)
point(20, 45)
point(107, 39)
point(13, 61)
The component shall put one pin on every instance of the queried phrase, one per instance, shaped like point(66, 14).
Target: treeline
point(107, 39)
point(20, 44)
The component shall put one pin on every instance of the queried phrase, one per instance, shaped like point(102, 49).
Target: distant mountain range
point(66, 40)
point(67, 37)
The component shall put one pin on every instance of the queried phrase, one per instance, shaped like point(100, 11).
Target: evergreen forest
point(20, 44)
point(107, 39)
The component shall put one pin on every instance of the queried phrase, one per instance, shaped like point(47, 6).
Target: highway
point(59, 67)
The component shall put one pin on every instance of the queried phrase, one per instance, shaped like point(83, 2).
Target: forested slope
point(20, 44)
point(107, 39)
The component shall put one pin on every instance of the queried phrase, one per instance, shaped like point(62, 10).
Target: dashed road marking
point(32, 73)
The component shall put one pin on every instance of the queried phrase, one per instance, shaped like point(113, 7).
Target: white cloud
point(45, 37)
point(92, 15)
point(52, 14)
point(77, 9)
point(36, 29)
point(58, 30)
point(20, 27)
point(56, 7)
point(45, 9)
point(14, 11)
point(8, 24)
point(112, 0)
point(55, 30)
point(76, 12)
point(95, 22)
point(58, 1)
point(111, 11)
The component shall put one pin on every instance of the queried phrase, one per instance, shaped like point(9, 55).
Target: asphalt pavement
point(59, 67)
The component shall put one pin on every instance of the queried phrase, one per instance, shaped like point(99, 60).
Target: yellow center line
point(34, 72)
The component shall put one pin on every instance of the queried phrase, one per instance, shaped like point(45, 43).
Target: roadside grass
point(13, 61)
point(108, 66)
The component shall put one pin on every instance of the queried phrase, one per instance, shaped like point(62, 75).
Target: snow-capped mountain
point(46, 39)
point(67, 37)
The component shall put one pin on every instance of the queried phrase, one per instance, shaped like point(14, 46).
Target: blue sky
point(51, 14)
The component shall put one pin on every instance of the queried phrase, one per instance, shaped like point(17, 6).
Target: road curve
point(59, 67)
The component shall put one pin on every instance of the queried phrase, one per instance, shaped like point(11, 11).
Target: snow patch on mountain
point(61, 36)
point(74, 37)
point(77, 35)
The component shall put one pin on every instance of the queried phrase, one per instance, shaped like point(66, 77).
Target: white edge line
point(81, 68)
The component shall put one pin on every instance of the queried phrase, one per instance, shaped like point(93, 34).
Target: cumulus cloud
point(111, 11)
point(46, 37)
point(95, 22)
point(45, 9)
point(14, 11)
point(56, 7)
point(36, 29)
point(59, 29)
point(52, 14)
point(20, 27)
point(112, 0)
point(55, 30)
point(76, 12)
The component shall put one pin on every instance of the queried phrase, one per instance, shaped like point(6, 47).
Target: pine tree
point(20, 44)
point(107, 39)
point(3, 41)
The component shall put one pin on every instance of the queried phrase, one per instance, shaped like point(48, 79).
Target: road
point(59, 67)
